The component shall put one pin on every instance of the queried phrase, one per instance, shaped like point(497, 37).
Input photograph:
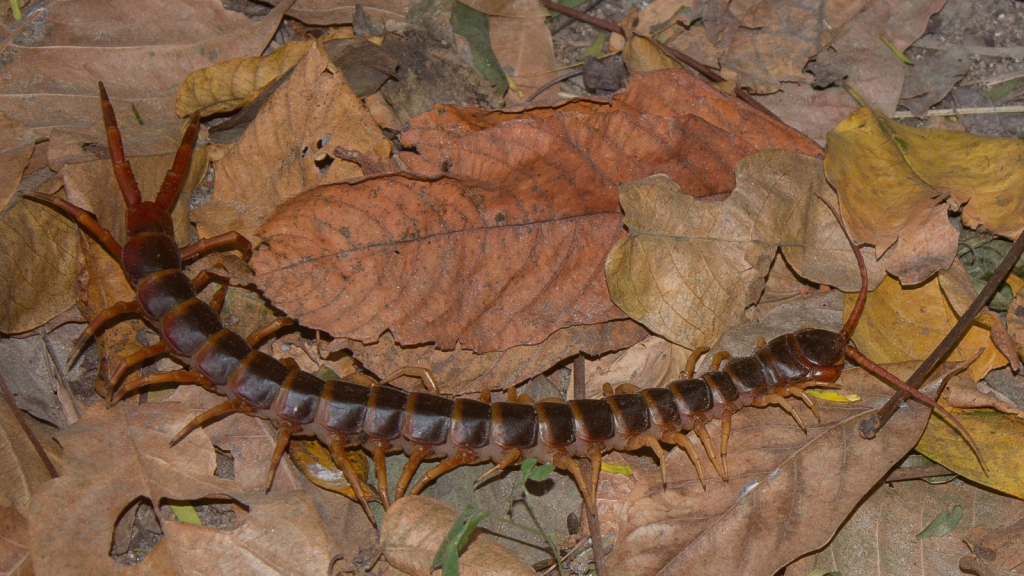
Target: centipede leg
point(810, 403)
point(443, 466)
point(231, 240)
point(133, 359)
point(718, 358)
point(340, 456)
point(102, 318)
point(221, 409)
point(380, 467)
point(262, 332)
point(595, 468)
point(425, 376)
point(691, 362)
point(705, 440)
point(409, 469)
point(637, 442)
point(565, 462)
point(723, 444)
point(509, 459)
point(781, 402)
point(162, 378)
point(284, 434)
point(683, 441)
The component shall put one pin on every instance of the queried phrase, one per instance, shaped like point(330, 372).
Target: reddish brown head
point(824, 350)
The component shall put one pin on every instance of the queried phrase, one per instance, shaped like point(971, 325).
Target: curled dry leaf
point(115, 456)
point(788, 492)
point(689, 267)
point(894, 181)
point(414, 528)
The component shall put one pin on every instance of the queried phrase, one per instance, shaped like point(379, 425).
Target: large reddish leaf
point(505, 243)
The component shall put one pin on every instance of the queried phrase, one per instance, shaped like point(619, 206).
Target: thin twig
point(564, 21)
point(917, 473)
point(870, 426)
point(28, 431)
point(579, 390)
point(1016, 109)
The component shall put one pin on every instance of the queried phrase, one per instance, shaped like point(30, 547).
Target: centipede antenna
point(122, 169)
point(864, 361)
point(862, 296)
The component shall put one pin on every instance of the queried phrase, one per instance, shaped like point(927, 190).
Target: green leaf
point(324, 373)
point(186, 514)
point(447, 557)
point(540, 473)
point(943, 524)
point(897, 52)
point(596, 47)
point(1003, 88)
point(475, 26)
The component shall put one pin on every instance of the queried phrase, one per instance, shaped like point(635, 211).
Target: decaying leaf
point(309, 115)
point(895, 179)
point(142, 60)
point(413, 530)
point(689, 268)
point(116, 456)
point(885, 524)
point(787, 495)
point(995, 549)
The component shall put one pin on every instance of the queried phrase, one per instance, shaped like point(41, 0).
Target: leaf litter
point(455, 146)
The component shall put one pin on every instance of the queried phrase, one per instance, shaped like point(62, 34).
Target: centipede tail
point(358, 412)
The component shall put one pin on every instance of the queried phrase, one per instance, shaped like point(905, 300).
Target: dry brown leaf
point(996, 549)
point(879, 538)
point(115, 456)
point(524, 48)
point(413, 529)
point(288, 148)
point(141, 58)
point(788, 491)
point(14, 544)
point(24, 470)
point(333, 13)
point(690, 267)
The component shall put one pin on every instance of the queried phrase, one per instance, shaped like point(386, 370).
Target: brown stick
point(579, 390)
point(871, 425)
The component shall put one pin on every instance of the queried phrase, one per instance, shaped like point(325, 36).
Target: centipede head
point(824, 351)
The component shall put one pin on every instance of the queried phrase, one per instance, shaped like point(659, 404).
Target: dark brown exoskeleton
point(359, 412)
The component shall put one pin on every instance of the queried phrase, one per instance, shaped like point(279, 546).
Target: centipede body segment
point(359, 412)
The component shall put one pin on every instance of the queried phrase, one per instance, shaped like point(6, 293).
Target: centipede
point(359, 412)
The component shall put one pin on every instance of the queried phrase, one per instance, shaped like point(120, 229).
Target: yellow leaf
point(621, 469)
point(832, 396)
point(889, 174)
point(905, 324)
point(998, 437)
